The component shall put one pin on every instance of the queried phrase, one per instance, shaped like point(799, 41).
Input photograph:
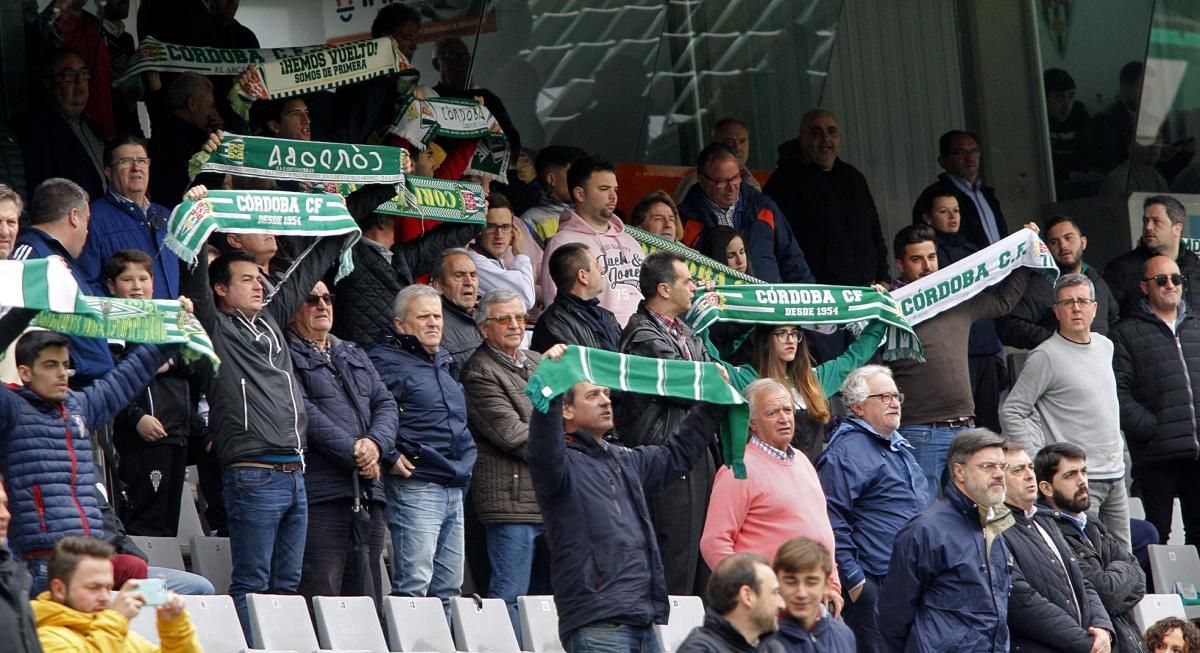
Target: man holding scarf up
point(939, 390)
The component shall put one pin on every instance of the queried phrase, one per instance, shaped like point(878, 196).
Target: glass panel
point(1169, 118)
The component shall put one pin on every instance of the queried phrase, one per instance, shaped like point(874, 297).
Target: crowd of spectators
point(955, 520)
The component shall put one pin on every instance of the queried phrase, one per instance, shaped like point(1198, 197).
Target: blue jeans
point(182, 582)
point(268, 520)
point(426, 524)
point(510, 551)
point(608, 637)
point(930, 445)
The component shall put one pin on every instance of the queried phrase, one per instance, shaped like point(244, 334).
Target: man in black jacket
point(456, 277)
point(382, 266)
point(743, 606)
point(1114, 573)
point(1162, 230)
point(576, 316)
point(829, 205)
point(656, 331)
point(16, 617)
point(607, 573)
point(1032, 320)
point(1052, 606)
point(959, 155)
point(1157, 363)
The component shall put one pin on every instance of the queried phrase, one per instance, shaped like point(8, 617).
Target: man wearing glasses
point(656, 331)
point(960, 155)
point(58, 139)
point(1067, 393)
point(1157, 365)
point(125, 218)
point(1162, 230)
point(721, 199)
point(499, 258)
point(950, 575)
point(873, 487)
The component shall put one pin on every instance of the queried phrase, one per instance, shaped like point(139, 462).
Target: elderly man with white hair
point(873, 487)
point(781, 496)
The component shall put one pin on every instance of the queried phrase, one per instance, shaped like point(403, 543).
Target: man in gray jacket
point(257, 418)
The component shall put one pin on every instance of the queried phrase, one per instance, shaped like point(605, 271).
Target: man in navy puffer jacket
point(45, 449)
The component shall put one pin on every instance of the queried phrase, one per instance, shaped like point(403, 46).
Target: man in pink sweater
point(781, 496)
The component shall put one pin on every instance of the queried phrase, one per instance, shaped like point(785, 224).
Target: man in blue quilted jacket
point(45, 448)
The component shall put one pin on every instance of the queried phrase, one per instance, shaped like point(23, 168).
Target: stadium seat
point(539, 624)
point(211, 558)
point(146, 624)
point(216, 622)
point(1155, 607)
point(281, 623)
point(482, 625)
point(1136, 509)
point(189, 520)
point(1175, 564)
point(417, 625)
point(348, 622)
point(160, 551)
point(687, 612)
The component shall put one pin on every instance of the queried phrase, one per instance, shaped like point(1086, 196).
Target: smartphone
point(153, 590)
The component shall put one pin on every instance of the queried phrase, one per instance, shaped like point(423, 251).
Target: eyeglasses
point(506, 319)
point(313, 300)
point(721, 183)
point(1162, 279)
point(991, 467)
point(126, 161)
point(888, 397)
point(1078, 301)
point(502, 228)
point(789, 335)
point(71, 74)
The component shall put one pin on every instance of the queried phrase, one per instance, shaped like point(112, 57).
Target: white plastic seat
point(687, 612)
point(212, 559)
point(348, 622)
point(1156, 607)
point(216, 622)
point(417, 625)
point(1175, 564)
point(160, 551)
point(539, 624)
point(281, 623)
point(482, 625)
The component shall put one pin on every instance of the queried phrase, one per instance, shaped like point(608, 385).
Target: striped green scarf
point(422, 120)
point(47, 285)
point(665, 378)
point(261, 212)
point(700, 266)
point(438, 199)
point(314, 161)
point(169, 57)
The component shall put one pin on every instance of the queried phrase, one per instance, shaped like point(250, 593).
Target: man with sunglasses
point(1157, 365)
point(1067, 393)
point(352, 420)
point(1162, 231)
point(656, 331)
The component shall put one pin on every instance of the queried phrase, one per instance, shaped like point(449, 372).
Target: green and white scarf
point(266, 212)
point(47, 285)
point(319, 69)
point(929, 296)
point(155, 55)
point(422, 120)
point(1190, 244)
point(439, 199)
point(700, 266)
point(665, 378)
point(314, 161)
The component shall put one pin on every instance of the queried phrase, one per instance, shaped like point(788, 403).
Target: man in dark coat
point(180, 132)
point(1162, 230)
point(829, 205)
point(16, 617)
point(950, 576)
point(982, 220)
point(656, 331)
point(609, 585)
point(1157, 362)
point(1053, 607)
point(1114, 573)
point(737, 620)
point(351, 421)
point(1032, 320)
point(457, 278)
point(576, 316)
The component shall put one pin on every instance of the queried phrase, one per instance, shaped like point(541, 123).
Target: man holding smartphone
point(80, 613)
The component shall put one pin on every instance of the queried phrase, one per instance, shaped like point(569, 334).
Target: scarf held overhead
point(666, 378)
point(281, 158)
point(47, 285)
point(422, 120)
point(155, 55)
point(700, 266)
point(438, 199)
point(269, 212)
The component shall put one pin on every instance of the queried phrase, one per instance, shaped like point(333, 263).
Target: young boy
point(804, 567)
point(151, 434)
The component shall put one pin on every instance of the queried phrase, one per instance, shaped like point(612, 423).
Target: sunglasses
point(1162, 279)
point(313, 300)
